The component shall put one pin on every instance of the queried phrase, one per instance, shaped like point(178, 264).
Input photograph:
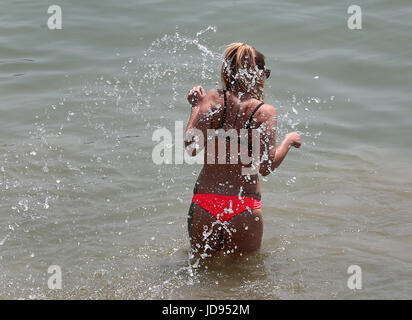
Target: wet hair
point(243, 70)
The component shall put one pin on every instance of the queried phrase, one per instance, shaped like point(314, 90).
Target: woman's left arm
point(198, 119)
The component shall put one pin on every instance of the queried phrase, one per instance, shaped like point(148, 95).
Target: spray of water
point(94, 146)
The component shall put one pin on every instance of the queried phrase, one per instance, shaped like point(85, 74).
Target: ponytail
point(239, 71)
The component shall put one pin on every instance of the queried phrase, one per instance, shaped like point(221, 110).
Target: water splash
point(95, 144)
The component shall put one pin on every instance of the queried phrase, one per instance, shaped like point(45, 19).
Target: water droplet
point(24, 204)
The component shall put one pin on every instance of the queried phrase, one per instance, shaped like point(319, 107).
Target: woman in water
point(225, 214)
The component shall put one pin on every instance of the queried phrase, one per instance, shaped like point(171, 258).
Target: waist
point(226, 181)
point(254, 194)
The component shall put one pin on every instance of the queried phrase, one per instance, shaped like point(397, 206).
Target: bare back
point(227, 178)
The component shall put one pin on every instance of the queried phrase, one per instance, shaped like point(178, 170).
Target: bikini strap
point(224, 110)
point(251, 116)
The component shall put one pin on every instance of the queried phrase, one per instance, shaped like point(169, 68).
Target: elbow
point(264, 173)
point(266, 169)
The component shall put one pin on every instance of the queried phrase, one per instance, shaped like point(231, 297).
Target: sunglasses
point(267, 73)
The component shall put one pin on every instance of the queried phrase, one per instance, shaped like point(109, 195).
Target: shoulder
point(213, 93)
point(266, 116)
point(210, 104)
point(266, 112)
point(211, 99)
point(268, 108)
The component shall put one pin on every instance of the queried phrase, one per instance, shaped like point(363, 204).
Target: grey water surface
point(79, 189)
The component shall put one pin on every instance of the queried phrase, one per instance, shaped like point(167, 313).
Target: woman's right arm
point(291, 139)
point(271, 156)
point(199, 120)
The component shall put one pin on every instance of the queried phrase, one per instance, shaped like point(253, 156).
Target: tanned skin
point(242, 234)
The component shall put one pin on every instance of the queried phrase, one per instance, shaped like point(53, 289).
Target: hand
point(196, 95)
point(294, 139)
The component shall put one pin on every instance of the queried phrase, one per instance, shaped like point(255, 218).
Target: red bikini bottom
point(223, 207)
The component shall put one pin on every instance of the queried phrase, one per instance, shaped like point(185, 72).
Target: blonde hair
point(242, 70)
